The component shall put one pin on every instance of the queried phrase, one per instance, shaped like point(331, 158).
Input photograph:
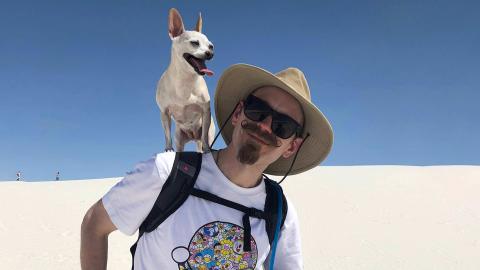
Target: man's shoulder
point(165, 155)
point(164, 162)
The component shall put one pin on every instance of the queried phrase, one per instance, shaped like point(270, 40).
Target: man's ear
point(237, 113)
point(175, 24)
point(293, 148)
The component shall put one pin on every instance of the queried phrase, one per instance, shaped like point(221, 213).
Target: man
point(265, 118)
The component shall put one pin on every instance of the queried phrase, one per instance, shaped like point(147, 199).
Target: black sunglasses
point(283, 125)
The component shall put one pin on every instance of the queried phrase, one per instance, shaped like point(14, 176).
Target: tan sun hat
point(241, 79)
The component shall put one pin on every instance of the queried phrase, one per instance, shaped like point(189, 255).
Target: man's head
point(266, 126)
point(271, 117)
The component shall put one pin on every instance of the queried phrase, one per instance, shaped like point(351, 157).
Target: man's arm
point(96, 227)
point(124, 207)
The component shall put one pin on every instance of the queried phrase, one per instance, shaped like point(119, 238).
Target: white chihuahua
point(182, 93)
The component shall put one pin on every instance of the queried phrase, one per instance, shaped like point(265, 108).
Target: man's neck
point(246, 176)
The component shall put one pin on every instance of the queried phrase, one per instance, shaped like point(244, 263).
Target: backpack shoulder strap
point(174, 192)
point(176, 189)
point(271, 207)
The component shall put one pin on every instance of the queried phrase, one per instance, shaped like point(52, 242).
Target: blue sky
point(398, 80)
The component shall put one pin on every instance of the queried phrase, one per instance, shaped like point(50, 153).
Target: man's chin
point(249, 153)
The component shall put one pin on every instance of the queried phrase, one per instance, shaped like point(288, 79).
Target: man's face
point(255, 141)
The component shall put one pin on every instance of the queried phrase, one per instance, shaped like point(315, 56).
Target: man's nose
point(266, 124)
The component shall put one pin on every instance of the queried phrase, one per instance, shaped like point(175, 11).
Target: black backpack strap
point(270, 213)
point(271, 207)
point(248, 211)
point(174, 192)
point(176, 189)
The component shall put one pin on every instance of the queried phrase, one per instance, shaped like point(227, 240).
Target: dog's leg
point(206, 122)
point(180, 139)
point(166, 123)
point(211, 136)
point(199, 145)
point(211, 131)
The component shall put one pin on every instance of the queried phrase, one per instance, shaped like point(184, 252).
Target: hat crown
point(295, 78)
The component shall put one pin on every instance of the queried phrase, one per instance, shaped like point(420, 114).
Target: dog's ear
point(175, 24)
point(198, 28)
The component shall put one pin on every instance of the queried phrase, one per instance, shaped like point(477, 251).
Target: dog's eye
point(195, 43)
point(210, 47)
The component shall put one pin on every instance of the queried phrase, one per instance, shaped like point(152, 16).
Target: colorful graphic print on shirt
point(216, 246)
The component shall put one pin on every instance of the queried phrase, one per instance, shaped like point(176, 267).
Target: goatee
point(248, 153)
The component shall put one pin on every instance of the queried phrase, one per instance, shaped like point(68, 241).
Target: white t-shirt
point(201, 234)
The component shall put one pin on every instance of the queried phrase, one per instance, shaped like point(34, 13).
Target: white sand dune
point(356, 217)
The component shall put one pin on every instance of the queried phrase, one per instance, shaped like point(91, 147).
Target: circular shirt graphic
point(218, 246)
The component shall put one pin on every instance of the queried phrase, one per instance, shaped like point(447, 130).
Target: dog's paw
point(169, 149)
point(206, 150)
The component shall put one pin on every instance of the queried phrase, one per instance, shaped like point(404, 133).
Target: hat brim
point(241, 79)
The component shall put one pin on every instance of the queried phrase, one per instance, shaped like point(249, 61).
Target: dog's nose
point(208, 55)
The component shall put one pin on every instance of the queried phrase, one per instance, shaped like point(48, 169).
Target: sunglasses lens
point(283, 129)
point(256, 115)
point(257, 110)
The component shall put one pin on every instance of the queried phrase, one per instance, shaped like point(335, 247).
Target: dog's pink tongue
point(207, 71)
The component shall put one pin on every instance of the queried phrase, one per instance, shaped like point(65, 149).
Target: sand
point(352, 217)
